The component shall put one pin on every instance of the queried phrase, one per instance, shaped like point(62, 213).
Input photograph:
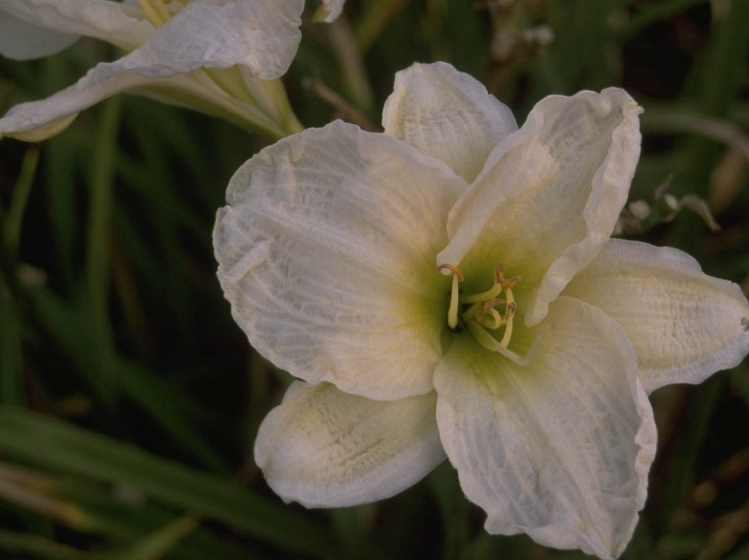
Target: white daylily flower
point(217, 56)
point(449, 288)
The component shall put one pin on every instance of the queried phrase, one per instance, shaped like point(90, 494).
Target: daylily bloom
point(449, 289)
point(221, 57)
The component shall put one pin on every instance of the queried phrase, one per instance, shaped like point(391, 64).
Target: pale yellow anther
point(156, 11)
point(510, 283)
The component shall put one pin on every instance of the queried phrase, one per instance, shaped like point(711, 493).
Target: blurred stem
point(37, 546)
point(101, 185)
point(719, 77)
point(725, 64)
point(14, 217)
point(345, 110)
point(720, 130)
point(374, 20)
point(351, 527)
point(60, 446)
point(351, 64)
point(151, 547)
point(700, 410)
point(156, 544)
point(454, 510)
point(11, 382)
point(655, 12)
point(11, 377)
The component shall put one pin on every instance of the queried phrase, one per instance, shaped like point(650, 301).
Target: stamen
point(490, 343)
point(494, 321)
point(155, 11)
point(491, 293)
point(509, 315)
point(452, 312)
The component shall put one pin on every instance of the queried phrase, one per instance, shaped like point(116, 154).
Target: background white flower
point(329, 253)
point(220, 57)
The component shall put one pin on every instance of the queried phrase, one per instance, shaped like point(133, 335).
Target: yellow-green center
point(490, 310)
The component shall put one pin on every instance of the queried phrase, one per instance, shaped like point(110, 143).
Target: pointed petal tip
point(15, 125)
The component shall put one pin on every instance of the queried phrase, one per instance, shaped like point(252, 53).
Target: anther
point(499, 273)
point(510, 283)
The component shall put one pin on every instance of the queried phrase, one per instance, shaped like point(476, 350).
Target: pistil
point(452, 312)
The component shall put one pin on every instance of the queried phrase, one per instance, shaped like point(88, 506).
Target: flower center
point(487, 314)
point(490, 310)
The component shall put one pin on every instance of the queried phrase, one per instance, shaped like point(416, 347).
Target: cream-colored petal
point(325, 448)
point(260, 35)
point(326, 253)
point(683, 324)
point(37, 120)
point(256, 104)
point(447, 114)
point(558, 449)
point(549, 196)
point(20, 40)
point(101, 19)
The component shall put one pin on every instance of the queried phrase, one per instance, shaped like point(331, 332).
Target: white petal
point(326, 254)
point(325, 448)
point(448, 115)
point(101, 19)
point(328, 11)
point(550, 194)
point(683, 324)
point(38, 120)
point(559, 449)
point(261, 105)
point(260, 35)
point(20, 40)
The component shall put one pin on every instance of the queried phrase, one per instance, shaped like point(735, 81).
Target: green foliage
point(130, 399)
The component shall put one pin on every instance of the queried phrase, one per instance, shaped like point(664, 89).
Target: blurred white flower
point(449, 289)
point(220, 57)
point(329, 10)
